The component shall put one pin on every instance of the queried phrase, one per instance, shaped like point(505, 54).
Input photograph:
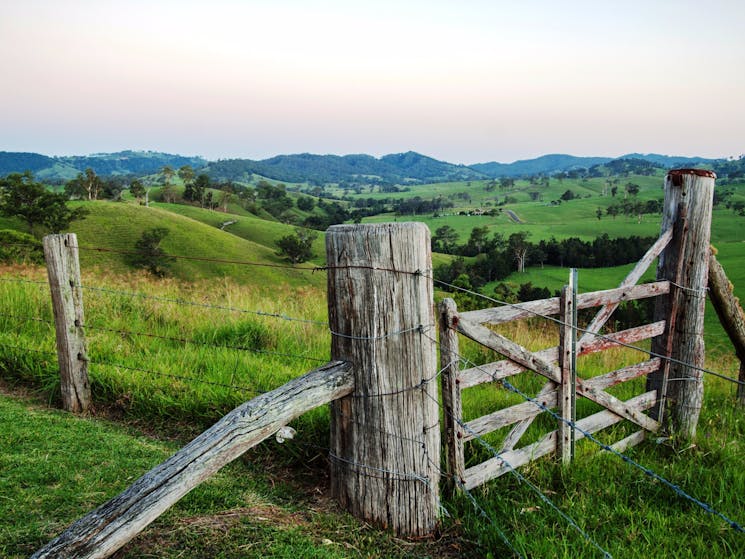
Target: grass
point(57, 467)
point(618, 506)
point(117, 226)
point(171, 369)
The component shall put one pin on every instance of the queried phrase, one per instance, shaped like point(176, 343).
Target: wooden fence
point(385, 421)
point(682, 249)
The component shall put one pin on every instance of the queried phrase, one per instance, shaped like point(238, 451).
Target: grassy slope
point(117, 226)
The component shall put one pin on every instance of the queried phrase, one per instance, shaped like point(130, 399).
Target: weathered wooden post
point(685, 262)
point(451, 397)
point(63, 269)
point(385, 436)
point(567, 364)
point(730, 315)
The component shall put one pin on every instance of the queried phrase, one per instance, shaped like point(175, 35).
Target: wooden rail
point(730, 315)
point(113, 524)
point(500, 465)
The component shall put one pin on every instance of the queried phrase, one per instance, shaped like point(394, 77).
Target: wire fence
point(423, 330)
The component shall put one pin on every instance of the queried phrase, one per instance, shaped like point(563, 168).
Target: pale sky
point(465, 81)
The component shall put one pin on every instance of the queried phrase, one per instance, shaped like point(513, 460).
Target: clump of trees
point(41, 210)
point(496, 257)
point(20, 248)
point(148, 253)
point(297, 247)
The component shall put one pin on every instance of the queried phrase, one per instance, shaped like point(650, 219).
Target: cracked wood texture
point(385, 437)
point(113, 524)
point(685, 261)
point(730, 315)
point(63, 270)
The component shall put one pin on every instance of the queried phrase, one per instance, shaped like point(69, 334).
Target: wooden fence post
point(567, 363)
point(63, 269)
point(451, 397)
point(730, 315)
point(685, 262)
point(385, 436)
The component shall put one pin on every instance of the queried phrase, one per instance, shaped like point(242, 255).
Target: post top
point(697, 172)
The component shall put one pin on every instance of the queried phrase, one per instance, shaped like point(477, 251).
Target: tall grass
point(154, 357)
point(167, 349)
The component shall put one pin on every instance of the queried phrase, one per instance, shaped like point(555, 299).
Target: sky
point(465, 81)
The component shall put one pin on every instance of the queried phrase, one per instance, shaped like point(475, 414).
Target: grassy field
point(169, 357)
point(193, 372)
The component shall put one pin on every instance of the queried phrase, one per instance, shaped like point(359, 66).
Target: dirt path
point(513, 216)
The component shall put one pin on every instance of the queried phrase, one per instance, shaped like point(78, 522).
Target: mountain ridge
point(397, 168)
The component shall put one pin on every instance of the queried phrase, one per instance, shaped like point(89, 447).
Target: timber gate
point(557, 365)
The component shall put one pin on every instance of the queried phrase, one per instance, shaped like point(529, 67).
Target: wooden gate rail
point(730, 314)
point(550, 306)
point(506, 461)
point(494, 372)
point(550, 364)
point(507, 416)
point(548, 369)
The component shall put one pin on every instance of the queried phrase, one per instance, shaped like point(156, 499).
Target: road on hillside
point(513, 216)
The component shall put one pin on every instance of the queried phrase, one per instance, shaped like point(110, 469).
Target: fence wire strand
point(595, 334)
point(705, 506)
point(186, 341)
point(202, 305)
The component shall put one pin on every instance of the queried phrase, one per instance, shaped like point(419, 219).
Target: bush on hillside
point(20, 248)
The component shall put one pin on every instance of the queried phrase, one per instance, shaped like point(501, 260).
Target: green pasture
point(117, 226)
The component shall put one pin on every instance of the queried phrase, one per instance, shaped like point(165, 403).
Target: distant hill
point(400, 168)
point(556, 163)
point(107, 164)
point(669, 161)
point(546, 165)
point(321, 169)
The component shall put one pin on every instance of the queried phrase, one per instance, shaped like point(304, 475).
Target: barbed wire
point(28, 318)
point(18, 280)
point(33, 350)
point(204, 259)
point(205, 344)
point(177, 377)
point(488, 517)
point(178, 301)
point(595, 334)
point(420, 328)
point(705, 506)
point(519, 476)
point(534, 488)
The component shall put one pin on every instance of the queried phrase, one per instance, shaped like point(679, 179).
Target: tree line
point(496, 257)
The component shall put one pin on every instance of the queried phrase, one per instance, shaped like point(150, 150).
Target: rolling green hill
point(117, 226)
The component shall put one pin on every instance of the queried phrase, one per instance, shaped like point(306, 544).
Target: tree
point(306, 203)
point(632, 188)
point(137, 189)
point(568, 195)
point(226, 193)
point(599, 213)
point(445, 239)
point(519, 247)
point(148, 253)
point(297, 248)
point(614, 191)
point(22, 197)
point(186, 174)
point(168, 194)
point(478, 241)
point(167, 172)
point(86, 185)
point(197, 191)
